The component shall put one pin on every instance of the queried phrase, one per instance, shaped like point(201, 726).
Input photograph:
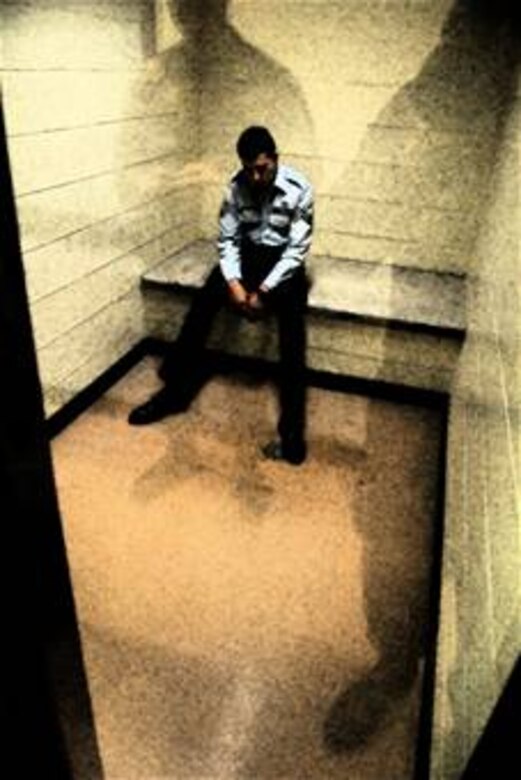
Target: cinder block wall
point(480, 633)
point(102, 149)
point(122, 121)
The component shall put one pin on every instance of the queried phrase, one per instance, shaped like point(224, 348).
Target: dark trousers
point(185, 369)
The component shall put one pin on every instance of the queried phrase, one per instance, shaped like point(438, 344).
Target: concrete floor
point(242, 618)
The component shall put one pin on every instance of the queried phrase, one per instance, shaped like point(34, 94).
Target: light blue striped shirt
point(284, 218)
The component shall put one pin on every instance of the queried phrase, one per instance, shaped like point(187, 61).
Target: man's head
point(258, 154)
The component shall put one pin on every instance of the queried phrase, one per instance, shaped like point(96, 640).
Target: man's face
point(260, 172)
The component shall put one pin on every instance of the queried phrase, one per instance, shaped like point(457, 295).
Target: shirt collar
point(280, 180)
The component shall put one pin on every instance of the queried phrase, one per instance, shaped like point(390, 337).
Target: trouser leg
point(184, 368)
point(289, 301)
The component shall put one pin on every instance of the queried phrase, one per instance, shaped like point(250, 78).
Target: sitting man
point(265, 231)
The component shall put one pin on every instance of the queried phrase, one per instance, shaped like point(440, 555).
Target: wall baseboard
point(223, 363)
point(60, 419)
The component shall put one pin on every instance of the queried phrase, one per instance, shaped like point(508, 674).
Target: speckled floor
point(242, 618)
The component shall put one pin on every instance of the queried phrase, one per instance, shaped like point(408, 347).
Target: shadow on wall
point(241, 86)
point(232, 84)
point(428, 156)
point(466, 85)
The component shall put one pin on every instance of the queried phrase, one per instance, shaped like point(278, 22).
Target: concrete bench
point(366, 319)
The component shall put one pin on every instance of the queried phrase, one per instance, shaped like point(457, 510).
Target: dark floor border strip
point(260, 367)
point(426, 722)
point(222, 362)
point(58, 421)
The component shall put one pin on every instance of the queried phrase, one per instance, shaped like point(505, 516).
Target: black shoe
point(156, 408)
point(277, 450)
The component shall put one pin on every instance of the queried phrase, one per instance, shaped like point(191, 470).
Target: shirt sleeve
point(228, 242)
point(299, 241)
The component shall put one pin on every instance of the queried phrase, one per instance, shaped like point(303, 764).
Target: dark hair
point(255, 140)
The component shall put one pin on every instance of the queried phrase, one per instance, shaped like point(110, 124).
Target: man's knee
point(291, 295)
point(215, 280)
point(214, 290)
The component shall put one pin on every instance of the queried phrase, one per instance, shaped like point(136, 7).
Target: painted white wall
point(102, 154)
point(480, 632)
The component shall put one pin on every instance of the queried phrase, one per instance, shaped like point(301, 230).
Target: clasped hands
point(248, 303)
